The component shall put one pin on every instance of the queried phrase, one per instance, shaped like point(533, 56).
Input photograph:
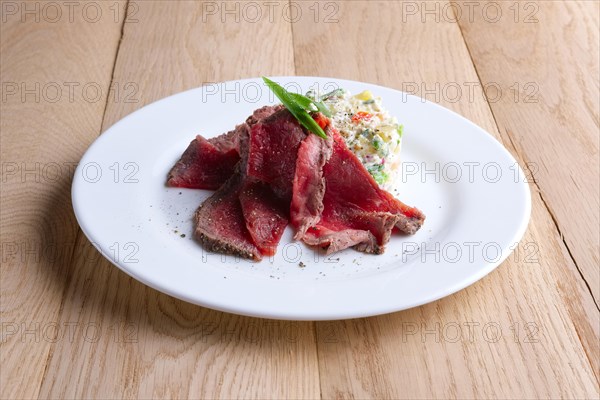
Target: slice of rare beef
point(351, 184)
point(272, 152)
point(265, 214)
point(355, 210)
point(244, 217)
point(208, 163)
point(309, 185)
point(220, 225)
point(203, 165)
point(269, 164)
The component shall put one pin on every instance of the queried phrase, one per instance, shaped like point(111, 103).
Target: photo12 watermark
point(67, 331)
point(54, 12)
point(468, 252)
point(118, 172)
point(256, 91)
point(470, 11)
point(471, 172)
point(33, 251)
point(471, 92)
point(459, 332)
point(71, 92)
point(326, 12)
point(470, 332)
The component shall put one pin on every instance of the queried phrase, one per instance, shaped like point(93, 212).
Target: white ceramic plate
point(473, 192)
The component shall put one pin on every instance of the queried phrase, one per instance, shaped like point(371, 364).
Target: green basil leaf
point(295, 107)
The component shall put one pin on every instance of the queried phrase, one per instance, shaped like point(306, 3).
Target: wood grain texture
point(47, 120)
point(551, 110)
point(550, 114)
point(73, 326)
point(415, 354)
point(152, 345)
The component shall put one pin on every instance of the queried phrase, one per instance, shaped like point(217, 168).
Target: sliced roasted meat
point(349, 183)
point(366, 231)
point(309, 183)
point(268, 164)
point(265, 214)
point(220, 225)
point(355, 210)
point(272, 152)
point(205, 165)
point(244, 217)
point(268, 171)
point(208, 163)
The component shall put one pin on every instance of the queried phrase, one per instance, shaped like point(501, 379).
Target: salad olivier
point(368, 129)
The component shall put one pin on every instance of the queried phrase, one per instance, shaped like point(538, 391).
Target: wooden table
point(74, 326)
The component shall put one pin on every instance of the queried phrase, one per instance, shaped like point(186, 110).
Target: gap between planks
point(524, 162)
point(79, 231)
point(521, 158)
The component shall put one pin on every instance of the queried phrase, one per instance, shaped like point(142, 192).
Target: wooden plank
point(552, 112)
point(55, 75)
point(551, 116)
point(512, 334)
point(153, 345)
